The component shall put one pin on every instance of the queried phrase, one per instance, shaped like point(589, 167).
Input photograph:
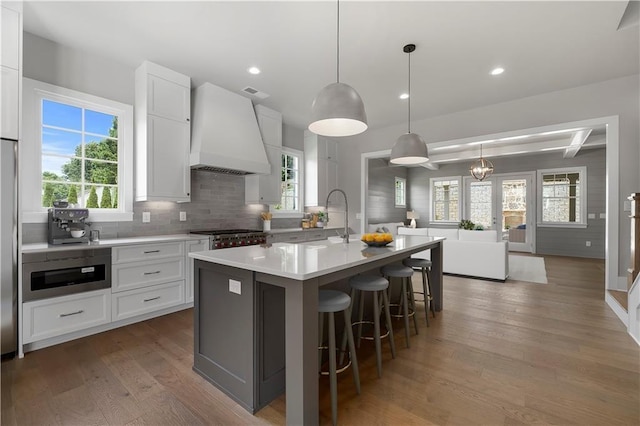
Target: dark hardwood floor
point(500, 354)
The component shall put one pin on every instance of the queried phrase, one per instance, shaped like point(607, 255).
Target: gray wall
point(557, 241)
point(217, 200)
point(381, 193)
point(618, 97)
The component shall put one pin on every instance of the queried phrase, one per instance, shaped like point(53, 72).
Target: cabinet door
point(47, 318)
point(10, 102)
point(167, 99)
point(270, 123)
point(168, 156)
point(329, 148)
point(265, 189)
point(10, 39)
point(193, 246)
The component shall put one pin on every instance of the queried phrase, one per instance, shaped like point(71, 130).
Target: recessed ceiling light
point(404, 96)
point(497, 71)
point(254, 70)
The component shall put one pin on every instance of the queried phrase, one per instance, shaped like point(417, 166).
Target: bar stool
point(331, 301)
point(376, 285)
point(425, 267)
point(404, 273)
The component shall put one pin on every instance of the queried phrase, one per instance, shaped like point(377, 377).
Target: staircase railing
point(635, 239)
point(633, 296)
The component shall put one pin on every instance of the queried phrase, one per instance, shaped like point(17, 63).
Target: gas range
point(225, 238)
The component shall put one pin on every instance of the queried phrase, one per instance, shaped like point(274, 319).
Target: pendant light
point(410, 148)
point(338, 109)
point(482, 168)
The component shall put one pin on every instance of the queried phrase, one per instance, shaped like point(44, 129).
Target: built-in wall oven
point(58, 273)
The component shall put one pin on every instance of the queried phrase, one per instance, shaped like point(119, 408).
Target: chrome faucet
point(345, 236)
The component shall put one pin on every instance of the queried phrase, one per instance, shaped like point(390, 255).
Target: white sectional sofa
point(474, 253)
point(391, 227)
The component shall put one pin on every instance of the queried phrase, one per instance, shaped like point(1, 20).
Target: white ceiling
point(544, 46)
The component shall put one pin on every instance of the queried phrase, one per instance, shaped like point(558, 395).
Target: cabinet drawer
point(47, 318)
point(293, 237)
point(315, 235)
point(146, 251)
point(141, 301)
point(144, 274)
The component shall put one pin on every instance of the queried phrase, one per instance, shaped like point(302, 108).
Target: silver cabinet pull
point(153, 298)
point(71, 313)
point(151, 273)
point(152, 251)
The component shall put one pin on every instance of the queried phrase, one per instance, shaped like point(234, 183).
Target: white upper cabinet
point(10, 37)
point(163, 132)
point(270, 123)
point(11, 68)
point(321, 168)
point(265, 189)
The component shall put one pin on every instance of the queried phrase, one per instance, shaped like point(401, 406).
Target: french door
point(504, 202)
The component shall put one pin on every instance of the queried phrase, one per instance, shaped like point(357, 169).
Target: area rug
point(527, 268)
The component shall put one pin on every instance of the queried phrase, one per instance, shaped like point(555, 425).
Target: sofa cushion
point(448, 233)
point(392, 227)
point(488, 235)
point(413, 231)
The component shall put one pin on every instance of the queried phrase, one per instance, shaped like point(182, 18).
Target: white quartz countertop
point(308, 260)
point(114, 242)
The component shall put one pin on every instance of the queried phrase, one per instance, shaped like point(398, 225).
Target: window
point(291, 184)
point(81, 147)
point(445, 199)
point(401, 192)
point(562, 197)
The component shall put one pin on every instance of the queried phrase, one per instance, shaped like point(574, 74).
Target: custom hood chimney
point(225, 136)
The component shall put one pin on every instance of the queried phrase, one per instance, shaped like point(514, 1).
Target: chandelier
point(482, 168)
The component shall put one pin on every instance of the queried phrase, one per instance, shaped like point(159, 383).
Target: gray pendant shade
point(338, 110)
point(409, 149)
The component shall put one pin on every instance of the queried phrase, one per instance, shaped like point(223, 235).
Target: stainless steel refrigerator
point(9, 246)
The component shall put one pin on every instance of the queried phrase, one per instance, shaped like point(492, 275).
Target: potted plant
point(323, 217)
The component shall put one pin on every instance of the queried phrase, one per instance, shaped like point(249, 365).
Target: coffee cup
point(77, 233)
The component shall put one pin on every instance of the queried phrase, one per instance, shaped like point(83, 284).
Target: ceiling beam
point(430, 165)
point(577, 141)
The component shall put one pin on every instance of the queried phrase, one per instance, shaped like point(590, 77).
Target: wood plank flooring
point(499, 354)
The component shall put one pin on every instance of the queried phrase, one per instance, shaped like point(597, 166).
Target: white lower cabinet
point(128, 276)
point(43, 319)
point(131, 303)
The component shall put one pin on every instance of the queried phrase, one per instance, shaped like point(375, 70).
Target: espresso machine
point(64, 223)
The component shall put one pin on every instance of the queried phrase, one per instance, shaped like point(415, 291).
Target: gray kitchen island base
point(243, 349)
point(239, 340)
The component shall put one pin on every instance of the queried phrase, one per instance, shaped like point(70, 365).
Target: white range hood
point(225, 136)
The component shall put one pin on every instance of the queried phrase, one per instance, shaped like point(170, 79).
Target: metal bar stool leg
point(352, 349)
point(412, 301)
point(387, 314)
point(360, 315)
point(376, 332)
point(425, 292)
point(405, 309)
point(333, 379)
point(431, 304)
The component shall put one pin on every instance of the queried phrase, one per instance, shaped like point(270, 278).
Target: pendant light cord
point(409, 90)
point(338, 44)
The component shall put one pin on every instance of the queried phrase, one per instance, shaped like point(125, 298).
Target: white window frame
point(582, 223)
point(432, 199)
point(284, 214)
point(31, 150)
point(403, 194)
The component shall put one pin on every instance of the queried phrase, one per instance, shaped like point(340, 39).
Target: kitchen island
point(256, 311)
